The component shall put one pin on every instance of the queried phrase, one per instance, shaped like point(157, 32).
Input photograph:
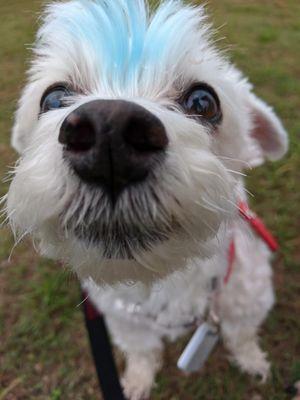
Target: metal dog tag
point(199, 348)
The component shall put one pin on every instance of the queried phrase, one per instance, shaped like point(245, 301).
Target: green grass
point(44, 353)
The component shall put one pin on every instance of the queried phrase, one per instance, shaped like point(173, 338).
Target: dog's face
point(132, 131)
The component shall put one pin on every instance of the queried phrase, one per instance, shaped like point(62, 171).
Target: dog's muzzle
point(113, 143)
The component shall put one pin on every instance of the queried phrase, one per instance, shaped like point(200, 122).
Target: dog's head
point(132, 131)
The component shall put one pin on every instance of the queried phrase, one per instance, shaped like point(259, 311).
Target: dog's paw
point(263, 371)
point(139, 375)
point(136, 387)
point(251, 359)
point(254, 363)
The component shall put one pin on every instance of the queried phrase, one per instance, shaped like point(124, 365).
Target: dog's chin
point(117, 241)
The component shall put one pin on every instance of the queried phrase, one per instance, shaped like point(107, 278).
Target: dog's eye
point(202, 102)
point(54, 98)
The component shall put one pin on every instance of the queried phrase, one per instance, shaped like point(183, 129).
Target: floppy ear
point(267, 130)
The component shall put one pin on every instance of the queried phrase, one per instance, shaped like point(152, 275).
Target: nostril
point(77, 134)
point(145, 134)
point(82, 138)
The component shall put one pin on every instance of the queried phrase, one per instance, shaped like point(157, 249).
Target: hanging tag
point(199, 348)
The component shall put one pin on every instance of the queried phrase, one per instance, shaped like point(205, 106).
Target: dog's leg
point(142, 347)
point(139, 376)
point(244, 304)
point(241, 340)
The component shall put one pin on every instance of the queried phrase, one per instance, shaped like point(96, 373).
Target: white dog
point(133, 132)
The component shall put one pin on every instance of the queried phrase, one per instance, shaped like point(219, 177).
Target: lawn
point(44, 352)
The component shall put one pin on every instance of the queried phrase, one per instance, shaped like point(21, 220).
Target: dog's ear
point(267, 130)
point(25, 118)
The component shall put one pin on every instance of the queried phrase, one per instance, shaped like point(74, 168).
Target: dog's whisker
point(5, 221)
point(83, 301)
point(213, 206)
point(231, 202)
point(236, 172)
point(211, 229)
point(250, 193)
point(140, 259)
point(5, 213)
point(246, 163)
point(3, 199)
point(17, 242)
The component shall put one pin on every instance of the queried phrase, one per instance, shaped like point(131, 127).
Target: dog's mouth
point(131, 226)
point(121, 241)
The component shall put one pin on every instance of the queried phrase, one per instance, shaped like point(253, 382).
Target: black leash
point(102, 353)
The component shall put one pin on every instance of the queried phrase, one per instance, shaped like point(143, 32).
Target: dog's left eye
point(202, 102)
point(54, 98)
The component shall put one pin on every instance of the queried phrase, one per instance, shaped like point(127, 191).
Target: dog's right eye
point(54, 98)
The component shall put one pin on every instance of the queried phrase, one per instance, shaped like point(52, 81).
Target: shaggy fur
point(119, 50)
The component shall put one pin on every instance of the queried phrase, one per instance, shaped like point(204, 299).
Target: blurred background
point(44, 353)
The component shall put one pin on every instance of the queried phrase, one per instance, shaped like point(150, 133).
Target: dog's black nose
point(113, 143)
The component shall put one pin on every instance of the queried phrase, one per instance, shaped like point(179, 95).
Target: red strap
point(231, 257)
point(258, 226)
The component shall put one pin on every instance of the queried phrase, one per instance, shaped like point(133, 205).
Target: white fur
point(161, 291)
